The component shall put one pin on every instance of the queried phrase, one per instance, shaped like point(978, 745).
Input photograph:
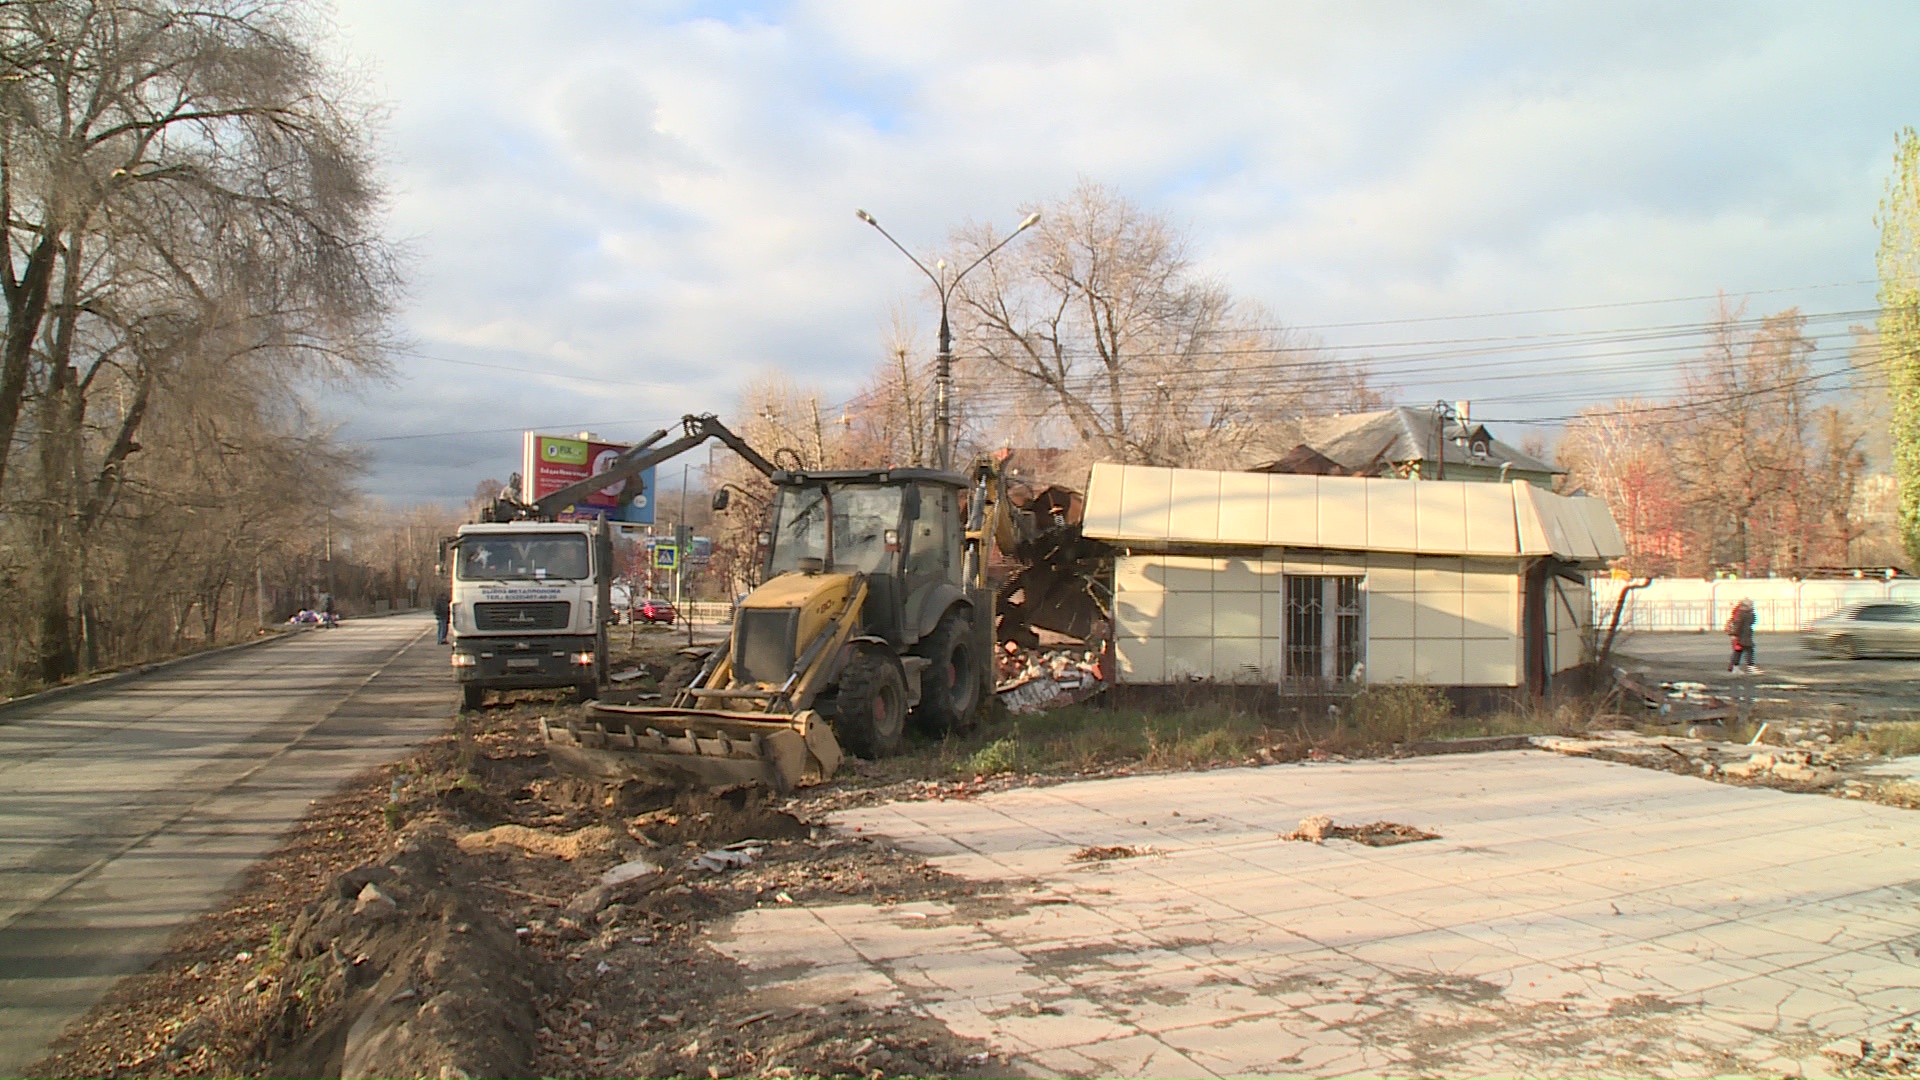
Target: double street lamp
point(943, 369)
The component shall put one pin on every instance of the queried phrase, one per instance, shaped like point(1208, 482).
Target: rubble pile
point(1035, 680)
point(1050, 602)
point(1319, 828)
point(1669, 702)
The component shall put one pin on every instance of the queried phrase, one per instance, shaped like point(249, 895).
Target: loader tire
point(471, 695)
point(950, 686)
point(871, 708)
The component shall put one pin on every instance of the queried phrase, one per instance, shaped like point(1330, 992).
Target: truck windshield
point(861, 517)
point(497, 558)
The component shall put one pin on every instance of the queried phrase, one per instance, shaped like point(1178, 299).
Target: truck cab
point(530, 606)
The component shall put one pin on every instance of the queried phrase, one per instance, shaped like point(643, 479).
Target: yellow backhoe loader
point(874, 612)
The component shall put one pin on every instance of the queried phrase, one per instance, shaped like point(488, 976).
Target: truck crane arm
point(696, 430)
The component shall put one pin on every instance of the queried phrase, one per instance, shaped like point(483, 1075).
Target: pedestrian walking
point(1740, 629)
point(442, 611)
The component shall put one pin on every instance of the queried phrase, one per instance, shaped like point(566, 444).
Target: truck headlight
point(584, 659)
point(465, 659)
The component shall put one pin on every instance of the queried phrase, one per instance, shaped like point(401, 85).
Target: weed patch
point(1203, 726)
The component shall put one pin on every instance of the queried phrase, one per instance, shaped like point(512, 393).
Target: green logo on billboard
point(563, 451)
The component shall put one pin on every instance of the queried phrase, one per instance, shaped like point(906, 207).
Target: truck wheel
point(871, 711)
point(586, 691)
point(471, 694)
point(950, 686)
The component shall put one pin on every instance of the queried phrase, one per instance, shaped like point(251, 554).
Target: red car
point(655, 610)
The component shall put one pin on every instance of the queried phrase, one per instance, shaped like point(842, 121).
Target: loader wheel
point(871, 711)
point(471, 695)
point(950, 687)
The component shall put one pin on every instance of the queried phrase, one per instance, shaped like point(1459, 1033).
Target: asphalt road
point(129, 808)
point(1873, 689)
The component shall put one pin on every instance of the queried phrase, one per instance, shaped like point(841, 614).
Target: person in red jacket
point(1740, 628)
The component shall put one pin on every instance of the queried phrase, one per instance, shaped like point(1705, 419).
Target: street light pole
point(943, 363)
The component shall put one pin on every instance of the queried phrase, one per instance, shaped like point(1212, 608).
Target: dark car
point(655, 610)
point(1878, 628)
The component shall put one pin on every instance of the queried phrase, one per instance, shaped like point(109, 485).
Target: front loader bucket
point(695, 746)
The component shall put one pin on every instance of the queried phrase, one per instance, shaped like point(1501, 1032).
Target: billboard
point(551, 462)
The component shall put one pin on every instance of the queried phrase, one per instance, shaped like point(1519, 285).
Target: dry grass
point(1202, 730)
point(1891, 739)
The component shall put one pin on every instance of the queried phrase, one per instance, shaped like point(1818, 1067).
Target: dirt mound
point(590, 840)
point(380, 944)
point(399, 975)
point(717, 819)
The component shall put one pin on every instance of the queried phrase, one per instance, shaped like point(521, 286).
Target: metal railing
point(1691, 604)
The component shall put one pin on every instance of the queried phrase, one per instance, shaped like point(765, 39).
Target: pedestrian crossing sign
point(665, 557)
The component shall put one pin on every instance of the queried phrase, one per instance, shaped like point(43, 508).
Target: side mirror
point(721, 498)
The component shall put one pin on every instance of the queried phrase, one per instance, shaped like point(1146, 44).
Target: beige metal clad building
point(1263, 578)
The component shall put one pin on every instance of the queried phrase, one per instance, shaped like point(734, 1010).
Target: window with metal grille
point(1325, 627)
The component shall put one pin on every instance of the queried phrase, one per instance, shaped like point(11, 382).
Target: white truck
point(532, 595)
point(530, 606)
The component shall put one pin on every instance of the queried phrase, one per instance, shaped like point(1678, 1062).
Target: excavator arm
point(696, 430)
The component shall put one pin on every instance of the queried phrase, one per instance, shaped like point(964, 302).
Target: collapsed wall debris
point(1053, 602)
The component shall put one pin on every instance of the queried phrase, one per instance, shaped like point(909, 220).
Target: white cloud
point(661, 195)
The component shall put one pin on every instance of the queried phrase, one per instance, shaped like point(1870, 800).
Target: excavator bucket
point(708, 747)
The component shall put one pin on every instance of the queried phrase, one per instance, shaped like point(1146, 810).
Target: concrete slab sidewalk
point(1574, 918)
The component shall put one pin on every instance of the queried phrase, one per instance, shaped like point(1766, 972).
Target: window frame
point(1328, 647)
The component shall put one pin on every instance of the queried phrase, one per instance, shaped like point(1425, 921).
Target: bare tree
point(890, 420)
point(1749, 468)
point(1100, 319)
point(1619, 453)
point(183, 194)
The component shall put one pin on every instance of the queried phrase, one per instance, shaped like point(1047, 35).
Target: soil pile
point(473, 912)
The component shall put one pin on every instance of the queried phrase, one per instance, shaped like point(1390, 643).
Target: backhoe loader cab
point(899, 535)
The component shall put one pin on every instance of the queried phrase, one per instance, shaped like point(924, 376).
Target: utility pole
point(330, 590)
point(943, 362)
point(683, 539)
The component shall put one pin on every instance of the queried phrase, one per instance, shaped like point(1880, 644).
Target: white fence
point(1778, 604)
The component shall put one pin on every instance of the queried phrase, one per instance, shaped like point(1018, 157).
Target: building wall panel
point(1244, 575)
point(1343, 513)
point(1236, 614)
point(1489, 614)
point(1491, 529)
point(1442, 516)
point(1390, 660)
point(1189, 658)
point(1140, 661)
point(1436, 616)
point(1189, 614)
point(1189, 573)
point(1393, 520)
point(1294, 510)
point(1243, 508)
point(1490, 662)
point(1389, 615)
point(1146, 504)
point(1437, 661)
point(1240, 660)
point(1195, 508)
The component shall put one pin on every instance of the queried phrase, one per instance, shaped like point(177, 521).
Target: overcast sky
point(636, 206)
